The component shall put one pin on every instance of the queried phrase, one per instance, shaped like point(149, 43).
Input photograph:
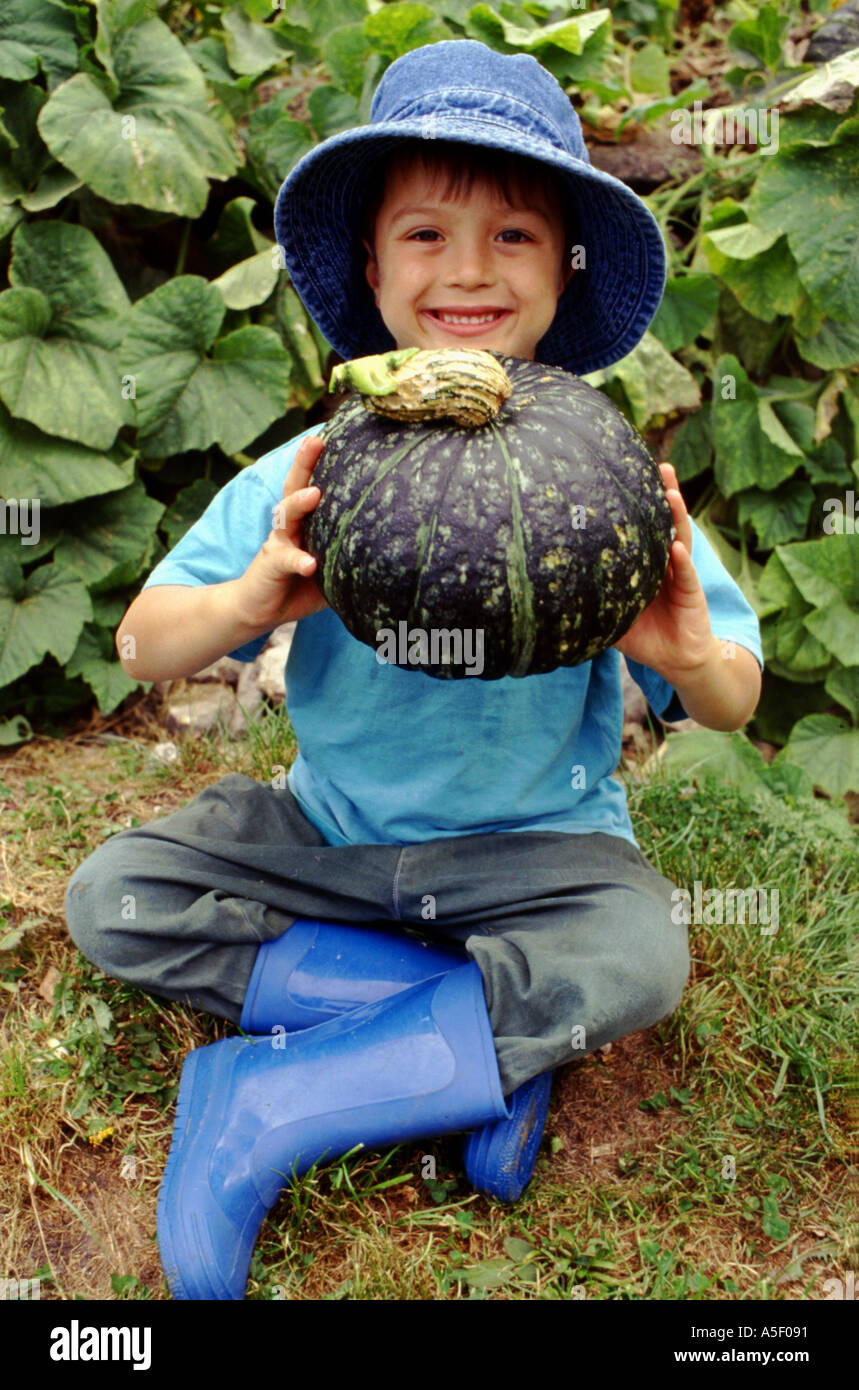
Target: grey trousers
point(572, 933)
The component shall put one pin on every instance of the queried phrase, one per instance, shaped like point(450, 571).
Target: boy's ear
point(566, 273)
point(371, 269)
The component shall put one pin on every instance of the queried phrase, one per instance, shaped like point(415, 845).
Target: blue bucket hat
point(464, 91)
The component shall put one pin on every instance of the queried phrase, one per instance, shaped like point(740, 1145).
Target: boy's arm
point(723, 691)
point(177, 629)
point(717, 682)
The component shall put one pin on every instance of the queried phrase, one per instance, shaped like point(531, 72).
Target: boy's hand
point(279, 585)
point(673, 635)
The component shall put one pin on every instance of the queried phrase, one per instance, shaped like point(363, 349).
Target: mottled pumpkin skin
point(453, 528)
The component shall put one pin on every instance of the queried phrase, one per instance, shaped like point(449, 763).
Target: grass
point(706, 1158)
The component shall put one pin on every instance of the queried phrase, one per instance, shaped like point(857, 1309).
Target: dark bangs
point(521, 181)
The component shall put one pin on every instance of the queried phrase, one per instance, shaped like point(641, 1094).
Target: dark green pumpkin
point(547, 529)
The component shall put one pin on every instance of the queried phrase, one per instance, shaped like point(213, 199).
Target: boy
point(393, 801)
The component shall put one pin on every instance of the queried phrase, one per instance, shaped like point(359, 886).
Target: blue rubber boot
point(317, 970)
point(252, 1112)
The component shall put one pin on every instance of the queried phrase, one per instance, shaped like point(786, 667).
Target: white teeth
point(467, 318)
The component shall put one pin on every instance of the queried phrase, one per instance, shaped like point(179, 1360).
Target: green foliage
point(150, 341)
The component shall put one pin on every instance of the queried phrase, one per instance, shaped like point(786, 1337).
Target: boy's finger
point(306, 456)
point(292, 507)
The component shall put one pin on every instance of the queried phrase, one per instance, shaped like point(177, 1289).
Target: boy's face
point(475, 259)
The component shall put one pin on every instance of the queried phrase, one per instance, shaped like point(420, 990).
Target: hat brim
point(602, 313)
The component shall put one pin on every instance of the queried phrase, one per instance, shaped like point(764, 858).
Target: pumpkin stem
point(371, 376)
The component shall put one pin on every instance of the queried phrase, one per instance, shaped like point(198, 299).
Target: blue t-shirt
point(393, 756)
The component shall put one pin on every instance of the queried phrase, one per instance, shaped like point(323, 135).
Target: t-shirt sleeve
point(732, 619)
point(224, 540)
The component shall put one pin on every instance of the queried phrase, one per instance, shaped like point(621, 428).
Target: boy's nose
point(470, 266)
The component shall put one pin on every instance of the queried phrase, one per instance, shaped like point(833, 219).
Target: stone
point(197, 709)
point(226, 670)
point(634, 701)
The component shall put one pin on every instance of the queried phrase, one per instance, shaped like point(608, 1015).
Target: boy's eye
point(423, 233)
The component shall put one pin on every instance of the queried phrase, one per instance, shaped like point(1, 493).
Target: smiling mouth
point(468, 319)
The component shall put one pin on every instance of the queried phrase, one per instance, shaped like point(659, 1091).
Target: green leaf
point(518, 1249)
point(757, 42)
point(651, 111)
point(745, 455)
point(249, 282)
point(66, 388)
point(828, 86)
point(489, 1274)
point(655, 383)
point(17, 62)
point(824, 570)
point(306, 382)
point(398, 28)
point(813, 196)
point(189, 506)
point(570, 35)
point(54, 470)
point(782, 703)
point(67, 265)
point(103, 536)
point(836, 626)
point(95, 660)
point(44, 613)
point(59, 325)
point(777, 516)
point(650, 70)
point(252, 48)
point(155, 144)
point(45, 32)
point(828, 749)
point(833, 345)
point(24, 157)
point(14, 730)
point(765, 283)
point(236, 238)
point(332, 111)
point(843, 685)
point(734, 759)
point(689, 306)
point(692, 446)
point(193, 391)
point(276, 142)
point(345, 52)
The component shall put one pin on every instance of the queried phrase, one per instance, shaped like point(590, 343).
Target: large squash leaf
point(44, 613)
point(60, 324)
point(828, 749)
point(104, 540)
point(55, 470)
point(654, 382)
point(151, 141)
point(192, 388)
point(812, 195)
point(753, 449)
point(34, 36)
point(94, 658)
